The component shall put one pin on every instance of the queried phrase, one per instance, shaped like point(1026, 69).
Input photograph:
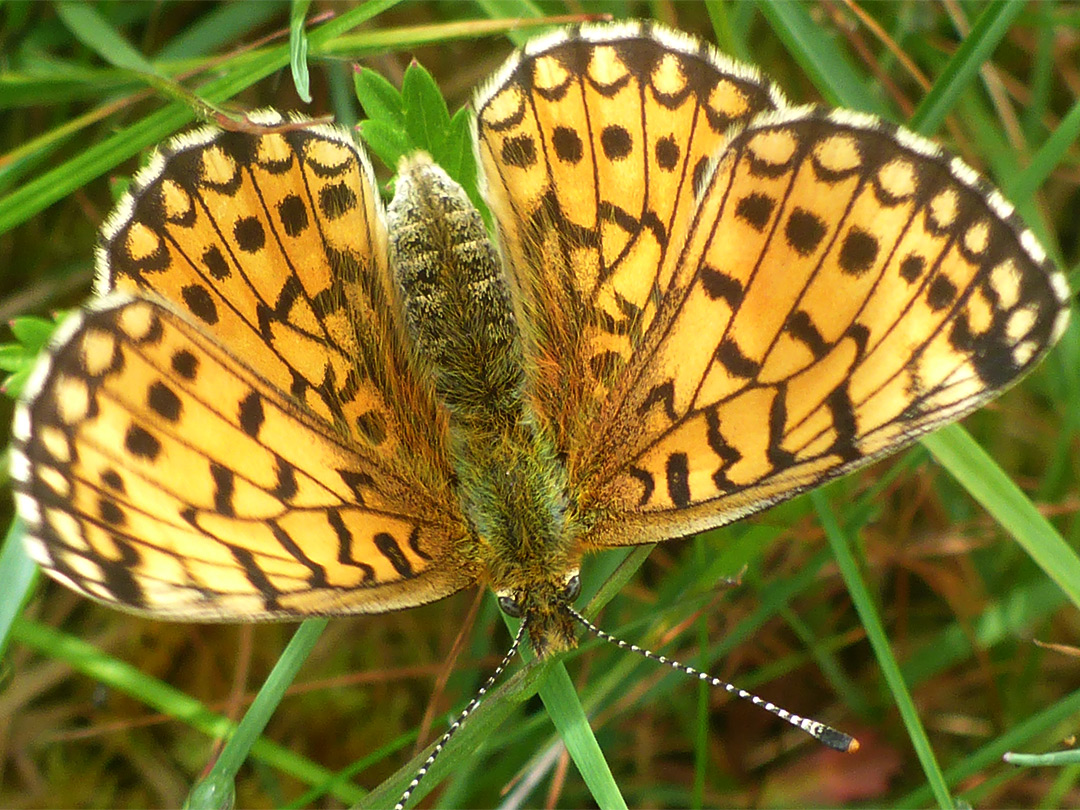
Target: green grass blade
point(220, 779)
point(17, 576)
point(95, 32)
point(470, 736)
point(818, 55)
point(221, 26)
point(298, 49)
point(726, 41)
point(125, 678)
point(964, 66)
point(102, 157)
point(1049, 156)
point(504, 9)
point(1042, 729)
point(977, 472)
point(566, 712)
point(875, 631)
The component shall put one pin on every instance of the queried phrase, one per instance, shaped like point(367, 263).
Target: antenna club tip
point(838, 740)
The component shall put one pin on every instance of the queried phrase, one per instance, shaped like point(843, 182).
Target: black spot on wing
point(755, 209)
point(215, 263)
point(802, 328)
point(778, 456)
point(912, 267)
point(163, 401)
point(345, 547)
point(336, 200)
point(664, 394)
point(567, 143)
point(317, 574)
point(110, 512)
point(414, 544)
point(119, 579)
point(250, 235)
point(293, 214)
point(843, 416)
point(286, 487)
point(804, 231)
point(616, 142)
point(389, 548)
point(519, 151)
point(224, 488)
point(256, 577)
point(667, 153)
point(735, 362)
point(859, 252)
point(185, 364)
point(648, 485)
point(942, 292)
point(356, 481)
point(199, 303)
point(111, 478)
point(372, 426)
point(251, 414)
point(677, 475)
point(719, 285)
point(142, 444)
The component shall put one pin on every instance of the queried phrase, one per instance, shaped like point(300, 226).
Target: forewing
point(591, 141)
point(847, 287)
point(275, 244)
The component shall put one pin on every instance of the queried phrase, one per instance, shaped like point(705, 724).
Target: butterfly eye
point(509, 605)
point(572, 588)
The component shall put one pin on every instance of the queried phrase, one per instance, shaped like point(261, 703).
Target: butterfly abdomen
point(457, 303)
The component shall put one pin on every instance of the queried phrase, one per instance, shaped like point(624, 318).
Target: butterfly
point(287, 401)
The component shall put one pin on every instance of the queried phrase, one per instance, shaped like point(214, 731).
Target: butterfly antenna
point(819, 731)
point(469, 709)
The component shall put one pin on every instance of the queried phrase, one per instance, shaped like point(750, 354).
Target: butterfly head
point(552, 629)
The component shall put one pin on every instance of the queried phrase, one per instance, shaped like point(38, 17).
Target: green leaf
point(427, 121)
point(456, 146)
point(388, 142)
point(32, 335)
point(417, 118)
point(33, 332)
point(459, 160)
point(379, 98)
point(12, 357)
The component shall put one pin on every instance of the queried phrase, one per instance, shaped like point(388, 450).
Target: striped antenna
point(819, 731)
point(469, 709)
